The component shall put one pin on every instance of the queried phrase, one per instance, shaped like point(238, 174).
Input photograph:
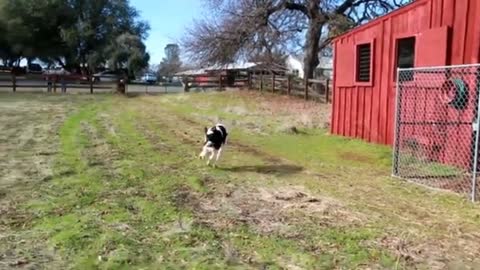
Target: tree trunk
point(311, 61)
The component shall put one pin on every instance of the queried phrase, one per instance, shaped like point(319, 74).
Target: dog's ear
point(205, 129)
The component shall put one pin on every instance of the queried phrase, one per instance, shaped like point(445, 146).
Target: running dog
point(215, 140)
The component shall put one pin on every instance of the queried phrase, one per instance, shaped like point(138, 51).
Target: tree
point(171, 63)
point(275, 59)
point(5, 50)
point(30, 28)
point(98, 24)
point(240, 28)
point(73, 33)
point(127, 51)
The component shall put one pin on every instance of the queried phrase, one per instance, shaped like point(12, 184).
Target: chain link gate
point(436, 127)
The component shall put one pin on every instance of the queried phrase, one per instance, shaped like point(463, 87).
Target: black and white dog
point(215, 140)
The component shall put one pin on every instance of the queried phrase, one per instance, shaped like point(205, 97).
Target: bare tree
point(242, 28)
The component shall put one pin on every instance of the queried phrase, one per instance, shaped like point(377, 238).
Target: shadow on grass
point(279, 170)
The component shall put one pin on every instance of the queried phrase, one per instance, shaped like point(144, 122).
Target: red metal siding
point(367, 111)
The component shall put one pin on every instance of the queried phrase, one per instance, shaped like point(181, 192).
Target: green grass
point(127, 192)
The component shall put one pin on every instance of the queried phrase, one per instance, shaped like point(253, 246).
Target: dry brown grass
point(29, 145)
point(309, 114)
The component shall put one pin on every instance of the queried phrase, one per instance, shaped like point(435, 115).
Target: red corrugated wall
point(367, 111)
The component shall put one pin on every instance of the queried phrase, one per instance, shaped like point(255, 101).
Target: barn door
point(431, 47)
point(345, 57)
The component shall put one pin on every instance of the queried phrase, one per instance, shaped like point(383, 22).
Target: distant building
point(233, 72)
point(294, 65)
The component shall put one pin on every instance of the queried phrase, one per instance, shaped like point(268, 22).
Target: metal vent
point(364, 56)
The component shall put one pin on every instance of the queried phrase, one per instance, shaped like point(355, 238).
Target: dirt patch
point(265, 210)
point(274, 170)
point(434, 254)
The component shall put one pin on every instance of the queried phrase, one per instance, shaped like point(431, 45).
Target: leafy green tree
point(128, 52)
point(31, 27)
point(98, 24)
point(73, 33)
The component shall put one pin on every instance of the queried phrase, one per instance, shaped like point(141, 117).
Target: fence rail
point(214, 81)
point(55, 83)
point(314, 89)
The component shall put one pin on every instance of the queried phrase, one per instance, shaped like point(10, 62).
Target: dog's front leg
point(203, 153)
point(211, 157)
point(219, 152)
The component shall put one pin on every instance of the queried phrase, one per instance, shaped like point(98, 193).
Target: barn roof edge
point(383, 17)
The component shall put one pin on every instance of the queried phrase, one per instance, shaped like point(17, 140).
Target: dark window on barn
point(364, 62)
point(405, 57)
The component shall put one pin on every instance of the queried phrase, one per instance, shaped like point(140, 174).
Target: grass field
point(112, 182)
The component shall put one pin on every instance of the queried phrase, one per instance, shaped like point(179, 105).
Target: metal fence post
point(476, 127)
point(397, 125)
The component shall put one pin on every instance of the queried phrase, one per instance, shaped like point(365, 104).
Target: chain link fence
point(436, 130)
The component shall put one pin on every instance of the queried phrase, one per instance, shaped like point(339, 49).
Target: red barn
point(421, 34)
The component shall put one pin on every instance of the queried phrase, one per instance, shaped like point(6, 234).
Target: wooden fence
point(319, 90)
point(55, 83)
point(214, 81)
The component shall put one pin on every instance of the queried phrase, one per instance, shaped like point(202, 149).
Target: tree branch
point(344, 6)
point(296, 7)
